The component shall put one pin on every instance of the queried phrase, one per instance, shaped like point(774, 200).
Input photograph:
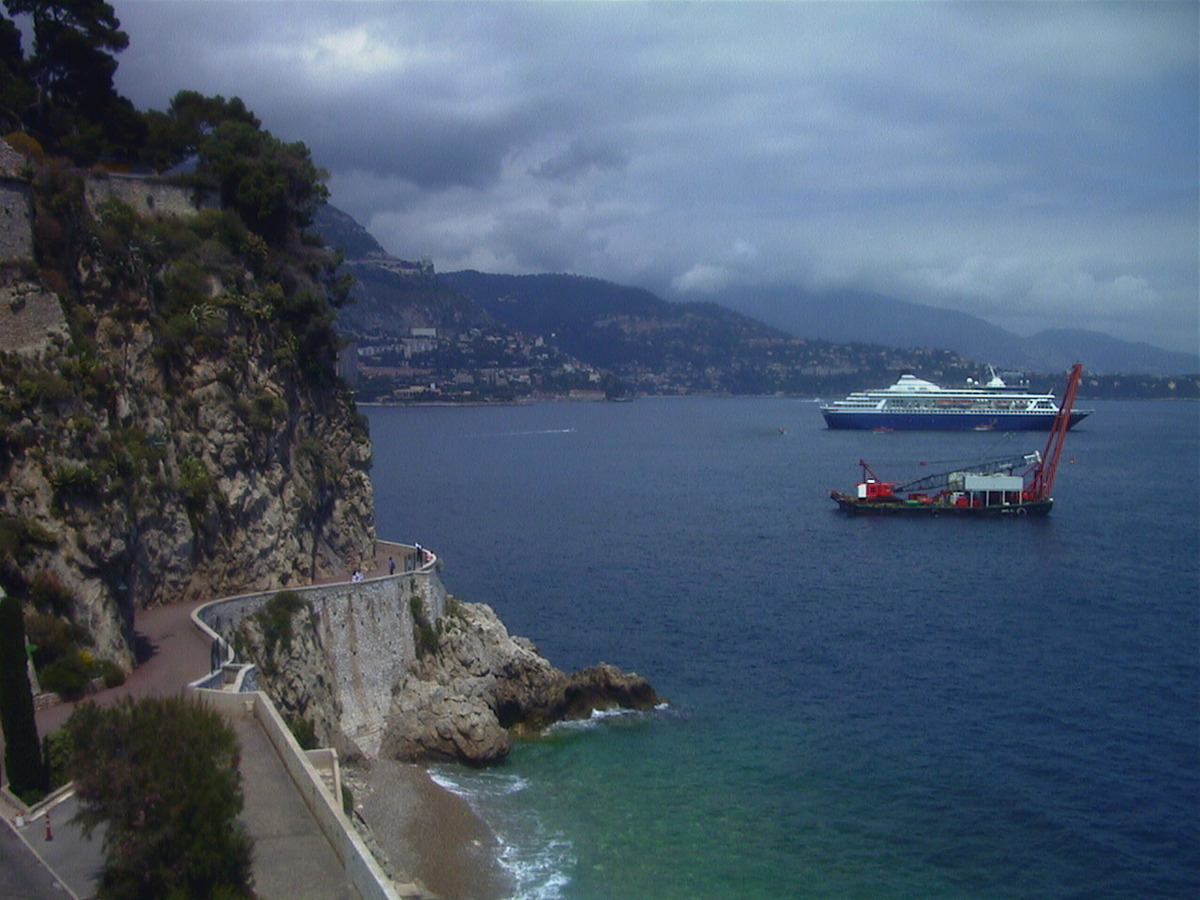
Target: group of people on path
point(415, 560)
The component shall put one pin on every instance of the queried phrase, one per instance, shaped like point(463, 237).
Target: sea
point(855, 708)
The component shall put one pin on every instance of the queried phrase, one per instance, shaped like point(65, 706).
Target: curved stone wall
point(366, 631)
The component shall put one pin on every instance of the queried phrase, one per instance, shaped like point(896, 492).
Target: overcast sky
point(1035, 164)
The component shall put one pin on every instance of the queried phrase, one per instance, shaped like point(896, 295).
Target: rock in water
point(463, 699)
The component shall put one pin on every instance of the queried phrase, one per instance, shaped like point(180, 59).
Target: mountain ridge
point(852, 315)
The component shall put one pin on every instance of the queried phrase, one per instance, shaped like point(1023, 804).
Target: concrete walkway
point(76, 860)
point(292, 857)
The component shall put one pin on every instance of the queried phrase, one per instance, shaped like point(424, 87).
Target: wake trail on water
point(492, 434)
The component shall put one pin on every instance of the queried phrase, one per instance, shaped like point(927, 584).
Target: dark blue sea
point(876, 709)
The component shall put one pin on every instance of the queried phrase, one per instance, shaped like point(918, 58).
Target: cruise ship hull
point(939, 420)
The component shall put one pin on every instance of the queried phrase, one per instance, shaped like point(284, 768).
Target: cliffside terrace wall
point(16, 220)
point(366, 632)
point(147, 195)
point(360, 866)
point(30, 317)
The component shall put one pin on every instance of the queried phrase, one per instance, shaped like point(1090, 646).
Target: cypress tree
point(22, 751)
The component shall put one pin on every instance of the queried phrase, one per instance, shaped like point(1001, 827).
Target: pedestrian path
point(292, 856)
point(25, 876)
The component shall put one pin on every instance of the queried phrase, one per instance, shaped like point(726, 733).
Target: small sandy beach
point(428, 833)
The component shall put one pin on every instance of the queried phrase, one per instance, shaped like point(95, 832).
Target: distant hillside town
point(417, 336)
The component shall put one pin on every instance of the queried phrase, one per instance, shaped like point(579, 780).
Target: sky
point(1034, 164)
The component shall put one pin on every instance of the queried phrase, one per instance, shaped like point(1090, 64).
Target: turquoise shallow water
point(859, 709)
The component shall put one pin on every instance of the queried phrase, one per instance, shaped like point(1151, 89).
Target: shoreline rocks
point(464, 699)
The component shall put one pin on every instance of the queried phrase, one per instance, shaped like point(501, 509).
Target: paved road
point(25, 878)
point(75, 859)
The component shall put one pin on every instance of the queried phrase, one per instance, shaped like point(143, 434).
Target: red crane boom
point(1043, 476)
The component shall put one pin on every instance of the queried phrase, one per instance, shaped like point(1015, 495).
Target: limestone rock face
point(160, 445)
point(464, 700)
point(439, 723)
point(293, 672)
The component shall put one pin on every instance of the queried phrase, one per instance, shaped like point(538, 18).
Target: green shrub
point(45, 387)
point(57, 748)
point(75, 480)
point(304, 731)
point(118, 223)
point(71, 673)
point(426, 634)
point(20, 537)
point(186, 285)
point(276, 619)
point(265, 412)
point(68, 675)
point(112, 674)
point(52, 636)
point(161, 776)
point(173, 336)
point(195, 483)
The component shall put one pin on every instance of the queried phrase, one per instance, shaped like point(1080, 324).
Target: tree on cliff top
point(162, 775)
point(75, 108)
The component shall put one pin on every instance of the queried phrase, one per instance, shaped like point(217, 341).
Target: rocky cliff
point(176, 431)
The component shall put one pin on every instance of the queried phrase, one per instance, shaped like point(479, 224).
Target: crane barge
point(1012, 486)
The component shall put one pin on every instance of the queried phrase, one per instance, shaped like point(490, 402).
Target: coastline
point(427, 833)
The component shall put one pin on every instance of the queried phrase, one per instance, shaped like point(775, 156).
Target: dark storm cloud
point(1034, 163)
point(580, 157)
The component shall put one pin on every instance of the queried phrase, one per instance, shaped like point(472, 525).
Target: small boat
point(1012, 486)
point(913, 403)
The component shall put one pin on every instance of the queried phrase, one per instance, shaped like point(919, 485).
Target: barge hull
point(859, 507)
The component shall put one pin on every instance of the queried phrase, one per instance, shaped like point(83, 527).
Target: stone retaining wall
point(366, 630)
point(16, 220)
point(30, 318)
point(146, 196)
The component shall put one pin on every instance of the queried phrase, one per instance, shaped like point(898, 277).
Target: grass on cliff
point(275, 620)
point(426, 635)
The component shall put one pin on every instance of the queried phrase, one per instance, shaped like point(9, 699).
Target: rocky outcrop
point(466, 698)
